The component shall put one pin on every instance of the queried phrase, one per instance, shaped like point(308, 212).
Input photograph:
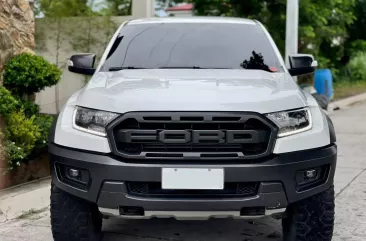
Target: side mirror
point(301, 64)
point(82, 64)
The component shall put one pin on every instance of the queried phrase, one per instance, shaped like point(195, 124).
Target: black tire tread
point(73, 219)
point(311, 219)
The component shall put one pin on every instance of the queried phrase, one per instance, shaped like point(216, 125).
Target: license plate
point(193, 178)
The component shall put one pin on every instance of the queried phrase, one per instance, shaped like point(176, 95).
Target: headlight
point(292, 122)
point(92, 121)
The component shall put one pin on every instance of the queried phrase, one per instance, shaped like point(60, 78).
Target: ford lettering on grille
point(193, 136)
point(198, 136)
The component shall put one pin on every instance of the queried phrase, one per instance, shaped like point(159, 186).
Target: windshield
point(192, 45)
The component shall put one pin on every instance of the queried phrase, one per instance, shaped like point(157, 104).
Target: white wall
point(58, 39)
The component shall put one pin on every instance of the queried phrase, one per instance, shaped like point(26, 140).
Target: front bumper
point(276, 177)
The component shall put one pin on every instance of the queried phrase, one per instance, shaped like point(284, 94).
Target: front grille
point(231, 189)
point(190, 135)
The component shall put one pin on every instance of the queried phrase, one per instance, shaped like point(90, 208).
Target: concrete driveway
point(350, 183)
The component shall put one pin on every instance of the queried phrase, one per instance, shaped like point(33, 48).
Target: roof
point(184, 7)
point(193, 20)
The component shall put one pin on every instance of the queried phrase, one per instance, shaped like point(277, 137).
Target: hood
point(191, 90)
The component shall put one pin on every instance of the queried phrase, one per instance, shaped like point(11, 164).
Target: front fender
point(64, 134)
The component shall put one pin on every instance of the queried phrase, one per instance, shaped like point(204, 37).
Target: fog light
point(310, 178)
point(311, 174)
point(74, 173)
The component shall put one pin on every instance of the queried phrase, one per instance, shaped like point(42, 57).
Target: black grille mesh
point(153, 189)
point(191, 121)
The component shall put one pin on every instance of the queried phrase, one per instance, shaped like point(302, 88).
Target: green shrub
point(44, 123)
point(28, 74)
point(29, 107)
point(22, 131)
point(357, 67)
point(26, 131)
point(15, 154)
point(8, 104)
point(25, 137)
point(357, 46)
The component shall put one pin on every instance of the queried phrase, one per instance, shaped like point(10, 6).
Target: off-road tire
point(311, 219)
point(74, 219)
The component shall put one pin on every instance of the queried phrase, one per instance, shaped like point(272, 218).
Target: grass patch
point(345, 89)
point(30, 213)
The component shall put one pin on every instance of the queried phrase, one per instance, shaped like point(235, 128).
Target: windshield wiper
point(121, 68)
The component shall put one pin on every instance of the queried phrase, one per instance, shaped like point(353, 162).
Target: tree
point(118, 8)
point(323, 28)
point(322, 23)
point(356, 41)
point(63, 8)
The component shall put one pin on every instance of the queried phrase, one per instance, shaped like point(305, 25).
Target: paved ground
point(350, 186)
